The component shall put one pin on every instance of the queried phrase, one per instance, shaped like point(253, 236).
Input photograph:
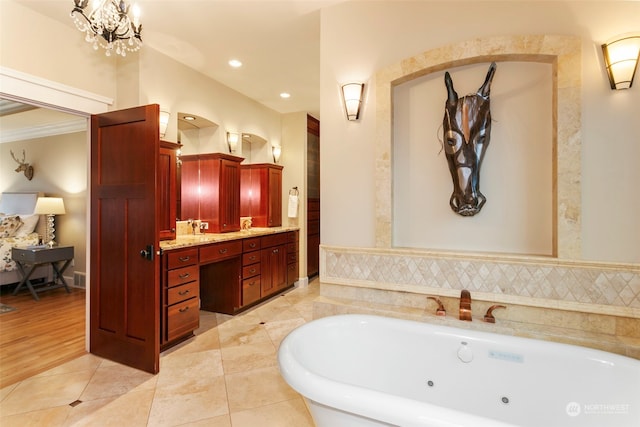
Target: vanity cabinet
point(210, 186)
point(292, 257)
point(274, 263)
point(167, 183)
point(251, 270)
point(261, 194)
point(224, 277)
point(180, 289)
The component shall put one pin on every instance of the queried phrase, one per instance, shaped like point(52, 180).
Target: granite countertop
point(189, 240)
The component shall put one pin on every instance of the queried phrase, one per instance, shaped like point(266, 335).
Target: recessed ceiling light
point(285, 95)
point(189, 118)
point(235, 63)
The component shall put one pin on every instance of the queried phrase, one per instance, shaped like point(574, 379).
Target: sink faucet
point(465, 305)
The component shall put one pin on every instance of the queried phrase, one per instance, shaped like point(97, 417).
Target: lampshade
point(352, 97)
point(621, 60)
point(164, 121)
point(276, 150)
point(232, 140)
point(49, 206)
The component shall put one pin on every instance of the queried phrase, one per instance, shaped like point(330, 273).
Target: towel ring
point(293, 191)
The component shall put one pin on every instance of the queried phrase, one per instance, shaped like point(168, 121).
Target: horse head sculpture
point(467, 131)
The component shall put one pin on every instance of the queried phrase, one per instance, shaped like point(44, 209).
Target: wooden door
point(229, 195)
point(167, 169)
point(124, 297)
point(274, 204)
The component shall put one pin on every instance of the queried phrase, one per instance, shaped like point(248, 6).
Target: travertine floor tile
point(225, 376)
point(187, 399)
point(259, 387)
point(248, 357)
point(115, 380)
point(50, 417)
point(290, 413)
point(130, 409)
point(45, 392)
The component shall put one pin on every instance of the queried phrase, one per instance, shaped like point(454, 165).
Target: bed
point(19, 227)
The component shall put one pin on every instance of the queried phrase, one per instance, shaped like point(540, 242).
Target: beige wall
point(38, 45)
point(609, 129)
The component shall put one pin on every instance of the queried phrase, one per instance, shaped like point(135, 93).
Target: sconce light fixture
point(352, 97)
point(232, 141)
point(621, 60)
point(50, 206)
point(164, 121)
point(276, 150)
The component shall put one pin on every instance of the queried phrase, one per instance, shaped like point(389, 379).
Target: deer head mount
point(24, 167)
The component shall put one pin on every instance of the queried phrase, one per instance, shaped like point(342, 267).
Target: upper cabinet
point(211, 190)
point(261, 194)
point(167, 189)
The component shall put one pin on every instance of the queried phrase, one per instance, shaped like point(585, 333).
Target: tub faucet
point(465, 305)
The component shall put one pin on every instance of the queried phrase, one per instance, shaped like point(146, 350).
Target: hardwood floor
point(39, 335)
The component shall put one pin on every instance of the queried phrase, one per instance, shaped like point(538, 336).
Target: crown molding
point(32, 132)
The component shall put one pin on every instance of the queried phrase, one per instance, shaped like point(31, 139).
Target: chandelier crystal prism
point(107, 24)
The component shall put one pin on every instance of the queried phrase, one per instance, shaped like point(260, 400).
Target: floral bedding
point(6, 243)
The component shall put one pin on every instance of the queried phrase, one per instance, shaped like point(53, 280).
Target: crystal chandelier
point(108, 24)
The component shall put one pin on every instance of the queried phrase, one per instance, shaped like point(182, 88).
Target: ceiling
point(278, 42)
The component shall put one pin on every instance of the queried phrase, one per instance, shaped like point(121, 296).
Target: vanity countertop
point(188, 240)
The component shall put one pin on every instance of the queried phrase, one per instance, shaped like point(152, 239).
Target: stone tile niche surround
point(559, 297)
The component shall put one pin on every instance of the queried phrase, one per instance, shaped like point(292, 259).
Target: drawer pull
point(184, 258)
point(253, 270)
point(275, 251)
point(223, 251)
point(252, 245)
point(181, 293)
point(184, 275)
point(252, 258)
point(183, 310)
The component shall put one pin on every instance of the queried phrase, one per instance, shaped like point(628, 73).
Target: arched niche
point(563, 53)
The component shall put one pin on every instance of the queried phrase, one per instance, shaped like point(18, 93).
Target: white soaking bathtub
point(359, 370)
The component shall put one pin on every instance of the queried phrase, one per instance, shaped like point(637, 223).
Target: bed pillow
point(29, 223)
point(9, 225)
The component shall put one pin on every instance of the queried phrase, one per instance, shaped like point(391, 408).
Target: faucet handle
point(489, 316)
point(440, 311)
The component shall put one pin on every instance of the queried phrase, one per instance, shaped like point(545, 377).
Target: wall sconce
point(621, 60)
point(232, 141)
point(50, 206)
point(164, 121)
point(276, 150)
point(352, 97)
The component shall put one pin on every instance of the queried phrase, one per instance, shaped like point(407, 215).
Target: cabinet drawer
point(182, 318)
point(251, 258)
point(250, 270)
point(180, 276)
point(250, 290)
point(292, 257)
point(292, 236)
point(251, 244)
point(220, 251)
point(183, 258)
point(274, 240)
point(182, 292)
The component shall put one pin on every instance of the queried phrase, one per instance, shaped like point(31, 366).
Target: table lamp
point(50, 206)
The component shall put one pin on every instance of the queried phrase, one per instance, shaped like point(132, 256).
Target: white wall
point(383, 33)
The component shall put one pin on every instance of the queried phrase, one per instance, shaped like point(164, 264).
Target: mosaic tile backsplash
point(601, 284)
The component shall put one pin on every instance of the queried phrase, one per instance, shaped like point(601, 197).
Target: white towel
point(293, 206)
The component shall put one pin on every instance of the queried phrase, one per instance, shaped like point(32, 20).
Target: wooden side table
point(32, 257)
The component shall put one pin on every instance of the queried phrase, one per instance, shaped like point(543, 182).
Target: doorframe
point(30, 89)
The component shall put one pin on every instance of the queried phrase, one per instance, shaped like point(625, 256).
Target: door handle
point(147, 253)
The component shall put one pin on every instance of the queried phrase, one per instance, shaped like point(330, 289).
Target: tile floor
point(226, 376)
